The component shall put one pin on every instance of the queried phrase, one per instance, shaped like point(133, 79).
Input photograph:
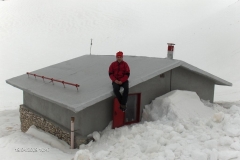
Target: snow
point(22, 146)
point(96, 135)
point(188, 136)
point(15, 144)
point(172, 105)
point(35, 34)
point(235, 146)
point(49, 139)
point(83, 155)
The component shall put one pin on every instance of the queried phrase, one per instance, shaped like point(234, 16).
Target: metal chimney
point(170, 50)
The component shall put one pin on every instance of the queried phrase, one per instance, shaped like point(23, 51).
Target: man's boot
point(123, 107)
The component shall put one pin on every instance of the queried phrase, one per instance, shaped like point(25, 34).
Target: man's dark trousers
point(122, 99)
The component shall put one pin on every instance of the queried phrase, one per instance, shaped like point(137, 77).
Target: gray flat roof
point(91, 73)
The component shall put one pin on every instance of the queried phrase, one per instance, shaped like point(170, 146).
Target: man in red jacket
point(119, 72)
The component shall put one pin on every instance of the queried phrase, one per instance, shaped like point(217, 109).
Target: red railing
point(55, 80)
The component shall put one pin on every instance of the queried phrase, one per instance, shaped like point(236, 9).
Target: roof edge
point(37, 95)
point(219, 81)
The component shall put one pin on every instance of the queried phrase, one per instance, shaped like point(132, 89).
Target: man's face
point(119, 59)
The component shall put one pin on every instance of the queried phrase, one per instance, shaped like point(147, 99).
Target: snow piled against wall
point(49, 139)
point(183, 136)
point(178, 126)
point(177, 105)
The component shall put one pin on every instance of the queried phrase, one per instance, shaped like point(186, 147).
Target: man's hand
point(118, 82)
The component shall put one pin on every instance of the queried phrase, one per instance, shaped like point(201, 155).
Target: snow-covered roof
point(91, 73)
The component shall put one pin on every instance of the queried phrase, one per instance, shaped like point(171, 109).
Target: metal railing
point(53, 80)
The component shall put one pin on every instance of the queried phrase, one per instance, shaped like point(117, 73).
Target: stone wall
point(28, 118)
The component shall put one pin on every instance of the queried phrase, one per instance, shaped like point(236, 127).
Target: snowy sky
point(35, 34)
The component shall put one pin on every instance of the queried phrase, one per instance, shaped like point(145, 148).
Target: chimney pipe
point(170, 50)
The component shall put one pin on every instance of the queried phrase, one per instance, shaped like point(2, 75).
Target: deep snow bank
point(185, 128)
point(177, 105)
point(198, 139)
point(49, 139)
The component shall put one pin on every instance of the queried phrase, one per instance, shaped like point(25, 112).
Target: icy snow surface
point(184, 136)
point(49, 139)
point(177, 104)
point(200, 131)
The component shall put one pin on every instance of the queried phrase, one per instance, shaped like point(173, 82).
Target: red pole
point(51, 79)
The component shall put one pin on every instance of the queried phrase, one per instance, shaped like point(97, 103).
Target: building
point(50, 106)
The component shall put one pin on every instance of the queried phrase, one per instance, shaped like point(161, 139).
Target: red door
point(131, 115)
point(118, 115)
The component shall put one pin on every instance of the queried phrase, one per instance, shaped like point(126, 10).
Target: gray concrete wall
point(48, 110)
point(94, 118)
point(152, 88)
point(184, 79)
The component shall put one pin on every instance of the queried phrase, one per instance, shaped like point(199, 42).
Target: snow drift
point(176, 105)
point(178, 126)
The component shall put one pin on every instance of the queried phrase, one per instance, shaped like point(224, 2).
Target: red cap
point(119, 54)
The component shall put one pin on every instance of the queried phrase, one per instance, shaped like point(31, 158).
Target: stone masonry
point(28, 118)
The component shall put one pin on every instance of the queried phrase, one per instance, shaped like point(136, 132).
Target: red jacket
point(119, 71)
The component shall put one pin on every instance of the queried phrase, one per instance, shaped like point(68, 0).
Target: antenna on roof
point(91, 47)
